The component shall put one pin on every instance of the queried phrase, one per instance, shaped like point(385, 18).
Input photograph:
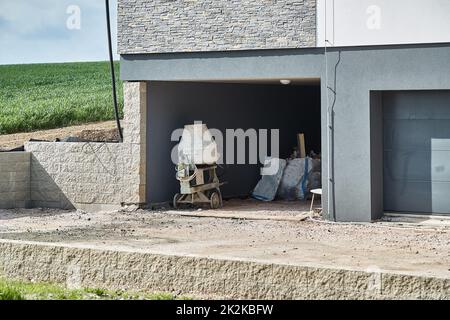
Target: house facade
point(367, 82)
point(369, 86)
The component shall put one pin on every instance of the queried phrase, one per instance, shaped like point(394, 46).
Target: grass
point(19, 290)
point(44, 96)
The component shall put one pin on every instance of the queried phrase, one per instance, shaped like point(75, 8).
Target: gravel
point(386, 245)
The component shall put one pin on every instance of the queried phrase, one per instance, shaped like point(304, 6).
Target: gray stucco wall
point(376, 148)
point(214, 25)
point(358, 191)
point(171, 105)
point(358, 187)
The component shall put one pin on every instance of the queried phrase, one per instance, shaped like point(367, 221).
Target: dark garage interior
point(293, 109)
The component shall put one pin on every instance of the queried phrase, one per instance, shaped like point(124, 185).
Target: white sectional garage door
point(417, 151)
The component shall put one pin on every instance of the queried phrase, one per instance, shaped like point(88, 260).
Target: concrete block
point(6, 196)
point(101, 259)
point(15, 157)
point(22, 167)
point(22, 195)
point(45, 196)
point(7, 175)
point(131, 261)
point(92, 277)
point(22, 176)
point(124, 279)
point(22, 204)
point(292, 276)
point(435, 288)
point(363, 282)
point(162, 282)
point(7, 187)
point(7, 167)
point(319, 278)
point(256, 273)
point(7, 204)
point(168, 264)
point(13, 186)
point(75, 256)
point(402, 286)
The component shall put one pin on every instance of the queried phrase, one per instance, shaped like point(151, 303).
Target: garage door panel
point(417, 105)
point(440, 144)
point(430, 111)
point(417, 165)
point(440, 166)
point(391, 113)
point(391, 101)
point(409, 196)
point(431, 104)
point(393, 137)
point(407, 165)
point(416, 134)
point(440, 197)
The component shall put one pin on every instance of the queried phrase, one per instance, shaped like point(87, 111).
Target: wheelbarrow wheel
point(220, 196)
point(176, 198)
point(215, 200)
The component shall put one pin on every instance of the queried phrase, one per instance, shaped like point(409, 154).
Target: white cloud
point(25, 17)
point(36, 31)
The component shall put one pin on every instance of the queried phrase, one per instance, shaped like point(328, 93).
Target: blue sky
point(35, 31)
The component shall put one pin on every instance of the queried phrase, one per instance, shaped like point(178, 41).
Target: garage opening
point(416, 151)
point(291, 108)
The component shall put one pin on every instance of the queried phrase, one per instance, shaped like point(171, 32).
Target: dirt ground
point(9, 141)
point(388, 246)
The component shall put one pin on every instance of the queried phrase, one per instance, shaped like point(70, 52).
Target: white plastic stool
point(314, 192)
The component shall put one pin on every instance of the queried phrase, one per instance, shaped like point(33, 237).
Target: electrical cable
point(113, 76)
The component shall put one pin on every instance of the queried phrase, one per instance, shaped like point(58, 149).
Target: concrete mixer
point(196, 168)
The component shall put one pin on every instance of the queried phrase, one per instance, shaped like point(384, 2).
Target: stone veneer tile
point(161, 26)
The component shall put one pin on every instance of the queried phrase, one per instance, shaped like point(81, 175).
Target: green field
point(45, 96)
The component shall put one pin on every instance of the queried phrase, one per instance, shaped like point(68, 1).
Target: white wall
point(377, 22)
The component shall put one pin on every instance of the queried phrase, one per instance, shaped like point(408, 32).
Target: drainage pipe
point(330, 124)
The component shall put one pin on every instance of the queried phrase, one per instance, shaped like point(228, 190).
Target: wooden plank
point(301, 145)
point(302, 216)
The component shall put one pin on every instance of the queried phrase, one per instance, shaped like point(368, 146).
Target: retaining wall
point(203, 277)
point(14, 180)
point(94, 176)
